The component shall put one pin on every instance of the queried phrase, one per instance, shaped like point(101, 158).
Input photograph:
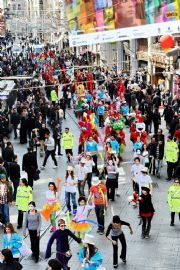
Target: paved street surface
point(160, 251)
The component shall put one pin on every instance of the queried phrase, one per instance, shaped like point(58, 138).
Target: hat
point(145, 169)
point(2, 176)
point(89, 239)
point(95, 181)
point(138, 152)
point(70, 168)
point(88, 154)
point(145, 189)
point(83, 160)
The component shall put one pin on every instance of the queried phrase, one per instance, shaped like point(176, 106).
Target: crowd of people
point(107, 109)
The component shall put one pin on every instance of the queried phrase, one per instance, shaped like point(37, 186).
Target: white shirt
point(144, 181)
point(89, 165)
point(80, 172)
point(51, 196)
point(136, 171)
point(69, 185)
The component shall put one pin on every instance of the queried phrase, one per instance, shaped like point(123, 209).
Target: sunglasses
point(61, 225)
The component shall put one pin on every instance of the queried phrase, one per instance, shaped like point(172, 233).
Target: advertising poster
point(2, 19)
point(98, 21)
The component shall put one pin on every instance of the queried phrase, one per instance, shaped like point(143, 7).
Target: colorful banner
point(2, 19)
point(94, 16)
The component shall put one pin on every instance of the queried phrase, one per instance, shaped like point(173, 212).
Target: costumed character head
point(118, 125)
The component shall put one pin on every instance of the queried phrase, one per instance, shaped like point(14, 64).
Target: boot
point(147, 231)
point(143, 232)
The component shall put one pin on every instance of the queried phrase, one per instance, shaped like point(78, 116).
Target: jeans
point(158, 166)
point(52, 154)
point(146, 225)
point(70, 196)
point(81, 188)
point(99, 210)
point(4, 210)
point(89, 178)
point(34, 243)
point(122, 239)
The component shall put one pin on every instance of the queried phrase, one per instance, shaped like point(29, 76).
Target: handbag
point(24, 250)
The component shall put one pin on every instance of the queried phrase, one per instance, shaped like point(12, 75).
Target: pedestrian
point(174, 199)
point(81, 174)
point(50, 150)
point(15, 120)
point(23, 197)
point(52, 202)
point(6, 198)
point(89, 165)
point(32, 222)
point(152, 148)
point(8, 262)
point(11, 240)
point(98, 196)
point(70, 189)
point(111, 179)
point(14, 174)
point(144, 180)
point(146, 211)
point(29, 165)
point(159, 157)
point(67, 142)
point(171, 155)
point(91, 147)
point(100, 113)
point(156, 119)
point(89, 256)
point(54, 264)
point(115, 231)
point(135, 172)
point(81, 216)
point(63, 252)
point(57, 139)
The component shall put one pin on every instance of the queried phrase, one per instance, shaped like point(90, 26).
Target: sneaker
point(124, 260)
point(42, 167)
point(74, 212)
point(55, 167)
point(147, 236)
point(19, 227)
point(115, 265)
point(171, 224)
point(101, 232)
point(98, 230)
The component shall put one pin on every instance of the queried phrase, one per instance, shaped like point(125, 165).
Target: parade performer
point(52, 204)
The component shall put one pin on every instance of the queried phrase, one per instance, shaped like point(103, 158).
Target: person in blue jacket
point(100, 112)
point(92, 147)
point(89, 256)
point(63, 253)
point(114, 144)
point(138, 145)
point(12, 241)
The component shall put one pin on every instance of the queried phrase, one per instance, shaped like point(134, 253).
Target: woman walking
point(70, 190)
point(12, 241)
point(111, 180)
point(23, 197)
point(146, 210)
point(32, 222)
point(89, 256)
point(114, 233)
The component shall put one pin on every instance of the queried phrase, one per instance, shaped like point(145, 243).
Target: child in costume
point(79, 223)
point(52, 204)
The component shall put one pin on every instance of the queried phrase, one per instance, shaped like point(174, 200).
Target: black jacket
point(29, 163)
point(15, 118)
point(14, 171)
point(12, 266)
point(145, 204)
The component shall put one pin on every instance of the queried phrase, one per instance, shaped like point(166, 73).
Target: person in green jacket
point(174, 199)
point(54, 97)
point(67, 142)
point(171, 155)
point(23, 197)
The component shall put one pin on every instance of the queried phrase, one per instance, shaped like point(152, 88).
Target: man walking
point(50, 150)
point(15, 120)
point(29, 165)
point(67, 142)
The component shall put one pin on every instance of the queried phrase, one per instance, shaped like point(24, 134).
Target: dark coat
point(12, 266)
point(15, 119)
point(14, 171)
point(29, 163)
point(145, 204)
